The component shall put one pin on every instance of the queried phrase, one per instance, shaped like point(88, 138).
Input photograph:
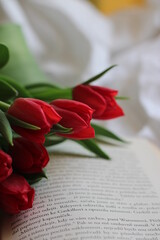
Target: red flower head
point(35, 112)
point(16, 194)
point(101, 99)
point(5, 165)
point(75, 115)
point(28, 157)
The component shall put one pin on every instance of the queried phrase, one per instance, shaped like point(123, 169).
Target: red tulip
point(16, 194)
point(5, 165)
point(35, 112)
point(75, 115)
point(101, 99)
point(28, 157)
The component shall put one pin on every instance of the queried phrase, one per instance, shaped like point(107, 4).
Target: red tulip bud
point(101, 99)
point(5, 165)
point(16, 194)
point(35, 112)
point(28, 157)
point(75, 115)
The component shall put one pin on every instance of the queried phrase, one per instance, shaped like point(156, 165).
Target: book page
point(91, 198)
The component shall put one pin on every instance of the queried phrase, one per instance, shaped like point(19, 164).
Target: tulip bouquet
point(35, 115)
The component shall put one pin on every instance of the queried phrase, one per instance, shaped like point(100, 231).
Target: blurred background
point(73, 40)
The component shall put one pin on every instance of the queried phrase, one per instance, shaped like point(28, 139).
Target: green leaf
point(41, 86)
point(5, 128)
point(22, 65)
point(98, 75)
point(4, 55)
point(106, 133)
point(20, 123)
point(4, 106)
point(122, 98)
point(34, 178)
point(92, 146)
point(53, 140)
point(57, 128)
point(49, 94)
point(22, 92)
point(7, 91)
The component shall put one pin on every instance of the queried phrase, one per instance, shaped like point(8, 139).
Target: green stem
point(4, 106)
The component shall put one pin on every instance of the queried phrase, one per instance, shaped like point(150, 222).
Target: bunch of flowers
point(36, 116)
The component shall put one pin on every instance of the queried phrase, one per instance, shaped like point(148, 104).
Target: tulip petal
point(90, 97)
point(28, 111)
point(86, 133)
point(22, 159)
point(112, 112)
point(28, 157)
point(14, 205)
point(71, 120)
point(5, 204)
point(35, 112)
point(5, 172)
point(83, 110)
point(34, 136)
point(105, 91)
point(14, 184)
point(51, 115)
point(5, 165)
point(75, 115)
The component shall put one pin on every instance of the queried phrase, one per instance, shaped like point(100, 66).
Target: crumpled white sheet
point(72, 41)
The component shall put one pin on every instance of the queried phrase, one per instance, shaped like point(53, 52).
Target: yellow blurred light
point(110, 6)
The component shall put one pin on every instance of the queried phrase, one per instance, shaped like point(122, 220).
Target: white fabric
point(72, 41)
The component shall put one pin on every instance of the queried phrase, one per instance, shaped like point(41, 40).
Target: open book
point(91, 198)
